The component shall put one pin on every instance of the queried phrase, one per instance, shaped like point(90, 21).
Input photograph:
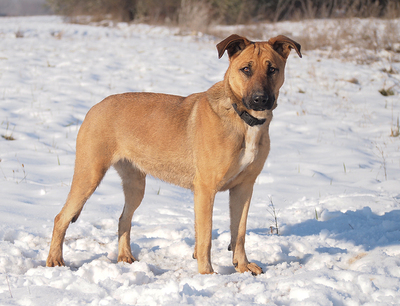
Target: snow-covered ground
point(333, 175)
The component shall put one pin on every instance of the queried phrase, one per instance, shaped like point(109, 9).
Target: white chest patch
point(250, 150)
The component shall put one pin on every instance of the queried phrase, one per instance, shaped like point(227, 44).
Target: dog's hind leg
point(134, 182)
point(88, 174)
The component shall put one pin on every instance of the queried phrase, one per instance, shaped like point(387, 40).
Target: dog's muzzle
point(260, 101)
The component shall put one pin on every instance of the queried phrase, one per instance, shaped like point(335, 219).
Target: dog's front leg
point(239, 203)
point(203, 207)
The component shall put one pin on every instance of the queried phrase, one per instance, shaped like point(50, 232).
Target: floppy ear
point(283, 45)
point(232, 44)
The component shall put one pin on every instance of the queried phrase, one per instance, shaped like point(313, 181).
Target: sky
point(22, 7)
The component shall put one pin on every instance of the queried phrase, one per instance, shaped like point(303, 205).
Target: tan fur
point(197, 142)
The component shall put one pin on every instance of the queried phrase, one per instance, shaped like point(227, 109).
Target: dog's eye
point(246, 70)
point(272, 70)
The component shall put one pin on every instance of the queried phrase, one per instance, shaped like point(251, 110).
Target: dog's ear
point(283, 45)
point(232, 44)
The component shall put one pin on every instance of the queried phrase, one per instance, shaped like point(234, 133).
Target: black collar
point(246, 117)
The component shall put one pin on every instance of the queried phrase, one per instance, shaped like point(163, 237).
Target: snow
point(333, 177)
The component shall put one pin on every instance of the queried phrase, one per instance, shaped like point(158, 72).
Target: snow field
point(332, 174)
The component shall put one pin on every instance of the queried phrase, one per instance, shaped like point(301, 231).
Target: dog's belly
point(174, 166)
point(171, 171)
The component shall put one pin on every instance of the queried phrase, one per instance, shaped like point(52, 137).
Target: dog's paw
point(254, 269)
point(249, 267)
point(54, 262)
point(126, 258)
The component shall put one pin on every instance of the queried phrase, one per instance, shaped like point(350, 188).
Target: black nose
point(262, 101)
point(259, 98)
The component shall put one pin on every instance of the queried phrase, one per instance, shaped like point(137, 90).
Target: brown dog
point(207, 142)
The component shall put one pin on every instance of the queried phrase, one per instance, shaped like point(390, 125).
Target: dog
point(211, 141)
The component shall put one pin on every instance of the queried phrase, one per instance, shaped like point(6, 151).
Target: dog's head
point(256, 70)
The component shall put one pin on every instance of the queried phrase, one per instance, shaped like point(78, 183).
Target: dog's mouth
point(260, 109)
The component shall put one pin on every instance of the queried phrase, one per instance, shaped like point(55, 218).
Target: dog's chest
point(250, 150)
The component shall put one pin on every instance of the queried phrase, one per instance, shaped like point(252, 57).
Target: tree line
point(224, 11)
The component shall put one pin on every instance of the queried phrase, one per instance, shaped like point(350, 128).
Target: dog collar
point(246, 117)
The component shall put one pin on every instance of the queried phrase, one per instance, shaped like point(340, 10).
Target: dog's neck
point(246, 117)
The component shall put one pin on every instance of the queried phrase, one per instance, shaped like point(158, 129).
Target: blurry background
point(23, 7)
point(208, 12)
point(182, 12)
